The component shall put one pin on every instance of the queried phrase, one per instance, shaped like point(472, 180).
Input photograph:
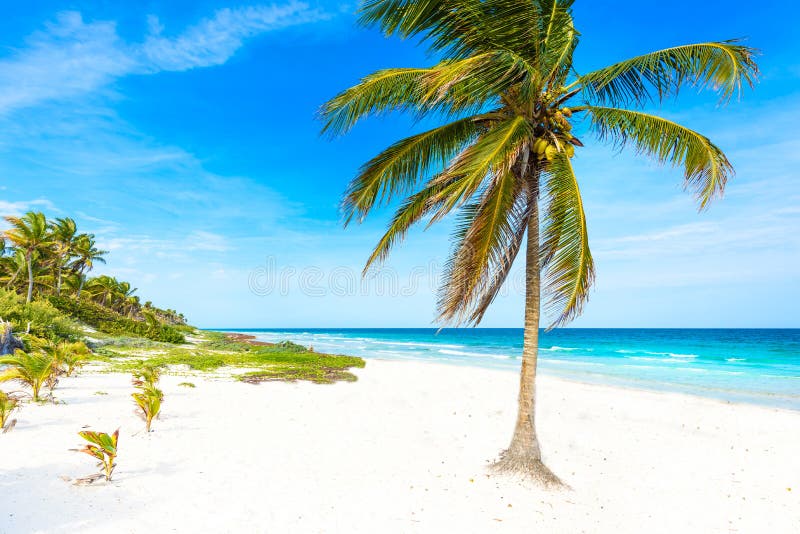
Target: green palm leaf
point(493, 154)
point(414, 209)
point(565, 257)
point(724, 66)
point(559, 40)
point(380, 92)
point(399, 167)
point(459, 28)
point(706, 168)
point(31, 369)
point(486, 231)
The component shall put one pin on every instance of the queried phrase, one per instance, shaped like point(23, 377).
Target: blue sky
point(183, 135)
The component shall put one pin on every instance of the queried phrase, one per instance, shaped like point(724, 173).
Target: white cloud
point(200, 240)
point(22, 206)
point(214, 40)
point(72, 57)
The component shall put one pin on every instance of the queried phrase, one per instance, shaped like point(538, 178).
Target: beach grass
point(213, 352)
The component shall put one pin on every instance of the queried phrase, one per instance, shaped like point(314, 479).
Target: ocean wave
point(644, 358)
point(474, 354)
point(735, 359)
point(691, 370)
point(652, 353)
point(415, 344)
point(573, 362)
point(556, 348)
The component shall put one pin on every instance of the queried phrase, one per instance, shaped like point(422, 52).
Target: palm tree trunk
point(80, 286)
point(58, 283)
point(524, 456)
point(29, 257)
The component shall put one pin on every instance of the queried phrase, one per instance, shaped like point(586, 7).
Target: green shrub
point(8, 404)
point(45, 320)
point(111, 322)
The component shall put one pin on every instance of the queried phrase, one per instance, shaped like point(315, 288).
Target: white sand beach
point(404, 449)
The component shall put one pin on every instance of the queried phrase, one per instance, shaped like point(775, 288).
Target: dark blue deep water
point(750, 365)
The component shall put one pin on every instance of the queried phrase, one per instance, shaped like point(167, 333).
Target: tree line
point(43, 258)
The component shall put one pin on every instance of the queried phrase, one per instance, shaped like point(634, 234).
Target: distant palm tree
point(28, 233)
point(63, 238)
point(11, 267)
point(103, 289)
point(508, 87)
point(86, 255)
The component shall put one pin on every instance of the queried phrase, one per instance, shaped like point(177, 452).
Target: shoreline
point(400, 449)
point(548, 377)
point(547, 368)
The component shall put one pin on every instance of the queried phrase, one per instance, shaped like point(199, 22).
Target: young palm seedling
point(31, 369)
point(147, 375)
point(71, 356)
point(7, 405)
point(148, 399)
point(103, 447)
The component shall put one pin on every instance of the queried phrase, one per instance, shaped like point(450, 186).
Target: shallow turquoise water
point(750, 365)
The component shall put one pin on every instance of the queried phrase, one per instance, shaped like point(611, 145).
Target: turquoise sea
point(746, 365)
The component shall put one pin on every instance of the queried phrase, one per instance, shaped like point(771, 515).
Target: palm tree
point(508, 89)
point(125, 299)
point(30, 234)
point(63, 237)
point(11, 267)
point(104, 289)
point(86, 255)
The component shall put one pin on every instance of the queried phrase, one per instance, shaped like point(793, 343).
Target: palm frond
point(558, 42)
point(493, 154)
point(568, 268)
point(382, 91)
point(459, 28)
point(398, 168)
point(505, 260)
point(456, 86)
point(487, 232)
point(706, 168)
point(413, 210)
point(723, 66)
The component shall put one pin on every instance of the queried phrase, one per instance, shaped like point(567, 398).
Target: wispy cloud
point(71, 56)
point(21, 206)
point(214, 40)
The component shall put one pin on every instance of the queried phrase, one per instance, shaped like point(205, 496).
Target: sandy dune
point(402, 450)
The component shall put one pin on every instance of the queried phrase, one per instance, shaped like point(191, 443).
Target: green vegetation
point(507, 87)
point(187, 385)
point(111, 322)
point(148, 399)
point(46, 291)
point(39, 318)
point(103, 447)
point(148, 374)
point(29, 369)
point(42, 363)
point(283, 361)
point(7, 406)
point(69, 356)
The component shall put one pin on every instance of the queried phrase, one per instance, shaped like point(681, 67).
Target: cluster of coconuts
point(543, 148)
